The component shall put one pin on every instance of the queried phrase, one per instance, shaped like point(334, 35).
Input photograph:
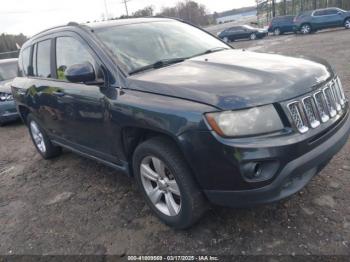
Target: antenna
point(126, 6)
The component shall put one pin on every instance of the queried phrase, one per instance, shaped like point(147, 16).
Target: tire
point(347, 23)
point(226, 40)
point(253, 36)
point(306, 29)
point(277, 31)
point(188, 203)
point(40, 139)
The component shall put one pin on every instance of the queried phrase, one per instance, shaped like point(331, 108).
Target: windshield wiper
point(158, 64)
point(212, 50)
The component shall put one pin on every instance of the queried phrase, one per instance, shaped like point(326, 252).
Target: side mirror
point(80, 73)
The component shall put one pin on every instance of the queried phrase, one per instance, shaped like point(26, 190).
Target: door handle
point(58, 93)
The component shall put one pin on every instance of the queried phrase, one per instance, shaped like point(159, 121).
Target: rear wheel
point(167, 184)
point(347, 23)
point(305, 29)
point(253, 36)
point(41, 141)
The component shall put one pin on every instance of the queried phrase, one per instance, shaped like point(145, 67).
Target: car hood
point(235, 79)
point(5, 86)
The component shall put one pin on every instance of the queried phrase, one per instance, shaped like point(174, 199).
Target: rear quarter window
point(24, 64)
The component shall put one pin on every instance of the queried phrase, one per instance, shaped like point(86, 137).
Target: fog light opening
point(252, 170)
point(260, 170)
point(257, 170)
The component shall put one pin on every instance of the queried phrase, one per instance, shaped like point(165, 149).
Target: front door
point(82, 111)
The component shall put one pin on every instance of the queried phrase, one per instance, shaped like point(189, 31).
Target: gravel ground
point(71, 205)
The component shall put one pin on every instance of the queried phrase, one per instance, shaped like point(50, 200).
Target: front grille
point(324, 104)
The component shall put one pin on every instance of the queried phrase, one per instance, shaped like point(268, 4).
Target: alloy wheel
point(37, 137)
point(225, 39)
point(277, 31)
point(160, 186)
point(347, 23)
point(252, 36)
point(305, 29)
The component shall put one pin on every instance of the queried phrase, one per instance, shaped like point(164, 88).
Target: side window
point(24, 65)
point(70, 51)
point(43, 61)
point(332, 12)
point(320, 13)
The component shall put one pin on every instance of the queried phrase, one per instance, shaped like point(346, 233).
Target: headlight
point(6, 97)
point(253, 121)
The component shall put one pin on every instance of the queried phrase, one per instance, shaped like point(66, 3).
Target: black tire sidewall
point(185, 218)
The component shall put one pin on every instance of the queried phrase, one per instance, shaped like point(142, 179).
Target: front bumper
point(220, 176)
point(8, 112)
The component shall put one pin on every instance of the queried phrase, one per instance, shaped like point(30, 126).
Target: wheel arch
point(132, 137)
point(23, 112)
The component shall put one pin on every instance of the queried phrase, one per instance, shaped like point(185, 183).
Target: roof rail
point(69, 24)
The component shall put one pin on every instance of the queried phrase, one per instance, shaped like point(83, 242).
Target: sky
point(32, 16)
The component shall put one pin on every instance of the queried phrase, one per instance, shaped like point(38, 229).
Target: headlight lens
point(253, 121)
point(6, 97)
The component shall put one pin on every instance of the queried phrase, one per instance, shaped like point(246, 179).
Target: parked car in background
point(281, 24)
point(242, 32)
point(192, 119)
point(8, 71)
point(311, 21)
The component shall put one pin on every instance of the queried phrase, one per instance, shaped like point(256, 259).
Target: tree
point(189, 11)
point(144, 12)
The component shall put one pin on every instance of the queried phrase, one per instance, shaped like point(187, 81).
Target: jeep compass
point(191, 119)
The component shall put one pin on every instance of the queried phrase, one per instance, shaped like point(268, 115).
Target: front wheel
point(40, 139)
point(253, 36)
point(306, 29)
point(347, 23)
point(166, 183)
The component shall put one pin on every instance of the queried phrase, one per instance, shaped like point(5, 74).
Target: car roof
point(8, 61)
point(127, 21)
point(95, 25)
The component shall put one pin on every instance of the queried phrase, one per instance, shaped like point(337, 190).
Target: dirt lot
point(71, 205)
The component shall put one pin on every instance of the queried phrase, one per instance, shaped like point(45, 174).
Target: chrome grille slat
point(330, 101)
point(321, 106)
point(310, 112)
point(335, 96)
point(294, 109)
point(318, 107)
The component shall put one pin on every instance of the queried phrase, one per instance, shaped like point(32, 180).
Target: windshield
point(140, 45)
point(8, 71)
